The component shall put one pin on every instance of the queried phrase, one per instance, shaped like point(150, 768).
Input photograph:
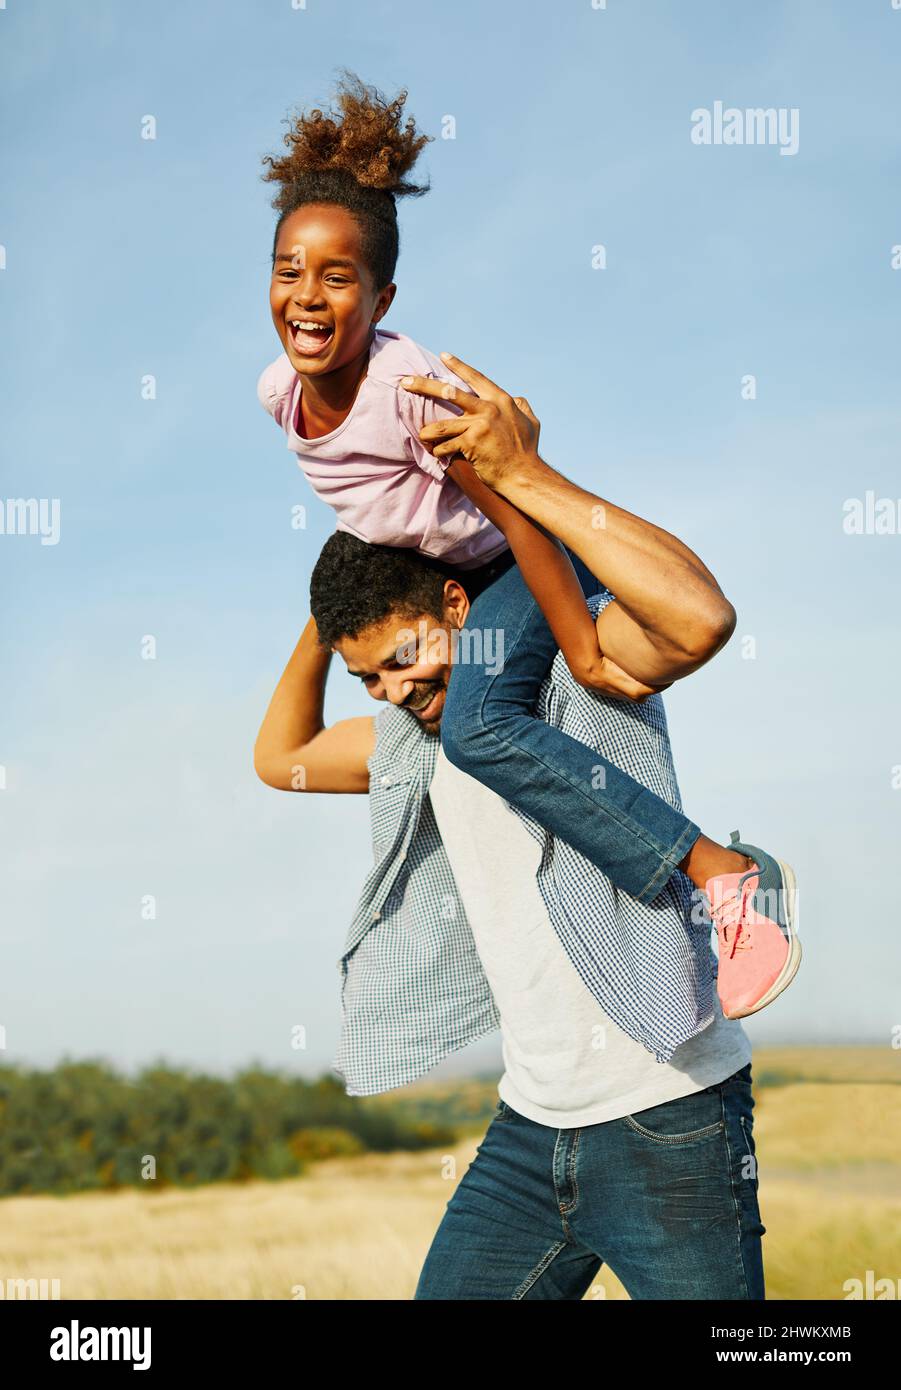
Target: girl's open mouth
point(310, 338)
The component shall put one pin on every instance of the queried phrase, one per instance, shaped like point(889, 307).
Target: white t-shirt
point(567, 1064)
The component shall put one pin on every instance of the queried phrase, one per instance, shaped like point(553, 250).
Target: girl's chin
point(310, 362)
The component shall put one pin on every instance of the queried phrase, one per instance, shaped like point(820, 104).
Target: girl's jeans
point(666, 1197)
point(489, 729)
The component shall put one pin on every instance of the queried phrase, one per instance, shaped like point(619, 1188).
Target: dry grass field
point(828, 1144)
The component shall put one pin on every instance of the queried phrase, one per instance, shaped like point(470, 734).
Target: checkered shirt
point(412, 985)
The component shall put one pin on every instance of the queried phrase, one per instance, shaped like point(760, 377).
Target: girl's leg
point(489, 729)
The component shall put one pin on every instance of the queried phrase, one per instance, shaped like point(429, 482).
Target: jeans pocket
point(686, 1120)
point(503, 1112)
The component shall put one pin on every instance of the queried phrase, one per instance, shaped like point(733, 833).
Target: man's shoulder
point(398, 733)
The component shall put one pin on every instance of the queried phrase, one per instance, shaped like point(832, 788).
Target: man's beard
point(422, 694)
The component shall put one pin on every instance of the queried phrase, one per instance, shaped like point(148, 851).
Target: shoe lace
point(741, 940)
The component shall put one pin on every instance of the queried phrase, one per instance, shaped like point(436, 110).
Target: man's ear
point(456, 603)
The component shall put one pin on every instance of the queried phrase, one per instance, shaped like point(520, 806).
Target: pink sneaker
point(754, 914)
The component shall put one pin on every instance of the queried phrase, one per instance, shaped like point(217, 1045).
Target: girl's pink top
point(373, 470)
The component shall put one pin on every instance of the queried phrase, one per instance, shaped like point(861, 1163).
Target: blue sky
point(126, 257)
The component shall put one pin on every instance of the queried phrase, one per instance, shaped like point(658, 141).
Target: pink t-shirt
point(373, 470)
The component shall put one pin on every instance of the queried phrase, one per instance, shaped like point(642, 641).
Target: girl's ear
point(383, 303)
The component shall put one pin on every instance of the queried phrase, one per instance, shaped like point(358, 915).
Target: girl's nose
point(305, 291)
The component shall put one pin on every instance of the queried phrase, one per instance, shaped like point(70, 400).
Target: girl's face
point(322, 297)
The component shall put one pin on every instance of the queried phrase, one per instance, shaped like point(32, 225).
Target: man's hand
point(497, 433)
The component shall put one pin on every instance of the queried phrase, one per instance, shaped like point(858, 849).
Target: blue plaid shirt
point(413, 987)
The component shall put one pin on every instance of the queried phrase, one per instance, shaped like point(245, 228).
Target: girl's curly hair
point(358, 159)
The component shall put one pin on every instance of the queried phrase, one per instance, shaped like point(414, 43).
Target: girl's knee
point(461, 740)
point(474, 722)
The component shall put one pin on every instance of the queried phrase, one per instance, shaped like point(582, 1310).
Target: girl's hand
point(606, 678)
point(497, 433)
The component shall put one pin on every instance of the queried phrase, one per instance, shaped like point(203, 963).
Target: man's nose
point(398, 691)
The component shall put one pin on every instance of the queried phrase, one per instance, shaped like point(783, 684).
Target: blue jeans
point(489, 729)
point(666, 1197)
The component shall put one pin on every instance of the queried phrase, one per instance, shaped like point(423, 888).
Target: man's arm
point(547, 570)
point(670, 615)
point(294, 750)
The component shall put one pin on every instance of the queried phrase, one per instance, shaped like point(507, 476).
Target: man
point(474, 916)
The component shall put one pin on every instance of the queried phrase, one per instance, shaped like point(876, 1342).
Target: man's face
point(407, 661)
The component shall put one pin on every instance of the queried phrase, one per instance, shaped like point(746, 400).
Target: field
point(828, 1133)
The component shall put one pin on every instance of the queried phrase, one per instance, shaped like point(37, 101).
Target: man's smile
point(426, 704)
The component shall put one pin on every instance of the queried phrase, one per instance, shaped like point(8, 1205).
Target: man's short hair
point(355, 585)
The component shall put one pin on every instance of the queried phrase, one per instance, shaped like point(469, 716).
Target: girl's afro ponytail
point(368, 140)
point(358, 159)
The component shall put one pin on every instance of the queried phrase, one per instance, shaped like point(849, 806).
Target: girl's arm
point(547, 570)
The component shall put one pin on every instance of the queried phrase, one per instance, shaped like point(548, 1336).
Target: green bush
point(320, 1141)
point(83, 1126)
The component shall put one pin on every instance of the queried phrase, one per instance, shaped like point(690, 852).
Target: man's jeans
point(489, 729)
point(666, 1197)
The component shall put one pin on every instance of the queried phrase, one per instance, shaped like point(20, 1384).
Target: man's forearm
point(658, 581)
point(547, 570)
point(670, 615)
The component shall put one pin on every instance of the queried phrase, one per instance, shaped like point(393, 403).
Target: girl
point(336, 393)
